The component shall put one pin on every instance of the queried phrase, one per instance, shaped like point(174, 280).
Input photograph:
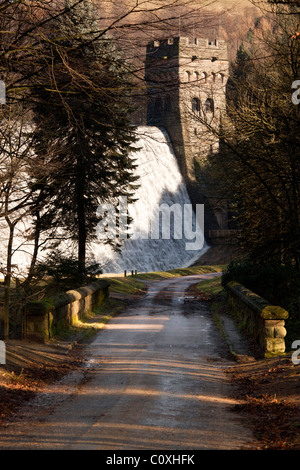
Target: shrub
point(278, 284)
point(62, 272)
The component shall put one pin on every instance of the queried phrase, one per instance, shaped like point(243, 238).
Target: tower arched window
point(209, 105)
point(196, 105)
point(204, 77)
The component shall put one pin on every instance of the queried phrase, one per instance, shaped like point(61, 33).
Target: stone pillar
point(274, 330)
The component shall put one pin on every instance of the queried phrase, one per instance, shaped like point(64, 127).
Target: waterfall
point(160, 183)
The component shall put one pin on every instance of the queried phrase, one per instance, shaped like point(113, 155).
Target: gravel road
point(154, 378)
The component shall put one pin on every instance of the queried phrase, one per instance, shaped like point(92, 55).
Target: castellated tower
point(186, 81)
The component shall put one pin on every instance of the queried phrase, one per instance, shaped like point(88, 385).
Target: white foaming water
point(160, 183)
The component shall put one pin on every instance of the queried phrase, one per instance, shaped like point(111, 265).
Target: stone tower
point(186, 83)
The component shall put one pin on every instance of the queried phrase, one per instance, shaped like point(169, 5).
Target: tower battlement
point(201, 48)
point(185, 41)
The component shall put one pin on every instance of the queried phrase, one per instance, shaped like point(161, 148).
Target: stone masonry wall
point(49, 316)
point(265, 323)
point(187, 89)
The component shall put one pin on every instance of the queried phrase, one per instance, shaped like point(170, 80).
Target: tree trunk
point(35, 250)
point(81, 219)
point(7, 281)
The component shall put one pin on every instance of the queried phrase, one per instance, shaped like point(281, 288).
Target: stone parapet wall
point(262, 321)
point(47, 317)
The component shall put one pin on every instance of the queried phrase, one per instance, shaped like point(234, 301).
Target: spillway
point(161, 187)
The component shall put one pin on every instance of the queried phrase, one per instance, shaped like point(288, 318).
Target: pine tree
point(83, 127)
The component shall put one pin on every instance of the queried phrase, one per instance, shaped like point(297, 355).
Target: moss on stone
point(274, 312)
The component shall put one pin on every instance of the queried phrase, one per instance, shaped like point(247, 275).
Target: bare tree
point(15, 194)
point(259, 165)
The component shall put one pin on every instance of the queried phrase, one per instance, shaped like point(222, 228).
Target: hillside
point(136, 25)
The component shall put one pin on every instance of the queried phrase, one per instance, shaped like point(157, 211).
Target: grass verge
point(180, 272)
point(127, 285)
point(212, 287)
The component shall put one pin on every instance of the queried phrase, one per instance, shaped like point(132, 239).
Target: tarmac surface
point(154, 378)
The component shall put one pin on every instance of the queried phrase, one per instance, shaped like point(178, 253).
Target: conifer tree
point(83, 127)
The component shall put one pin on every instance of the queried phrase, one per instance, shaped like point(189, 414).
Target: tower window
point(209, 105)
point(196, 105)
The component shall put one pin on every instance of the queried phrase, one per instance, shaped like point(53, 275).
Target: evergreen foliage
point(83, 129)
